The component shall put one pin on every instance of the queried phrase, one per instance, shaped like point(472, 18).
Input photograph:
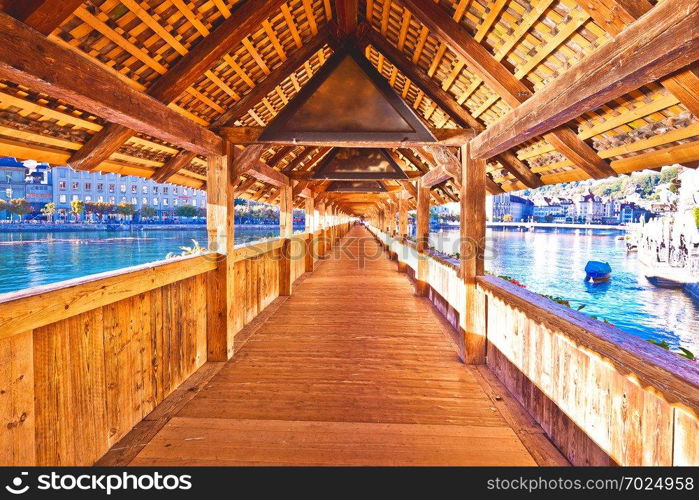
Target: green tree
point(147, 211)
point(49, 211)
point(99, 208)
point(126, 209)
point(186, 211)
point(20, 207)
point(76, 208)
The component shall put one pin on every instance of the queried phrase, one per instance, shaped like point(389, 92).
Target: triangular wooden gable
point(357, 164)
point(356, 187)
point(347, 100)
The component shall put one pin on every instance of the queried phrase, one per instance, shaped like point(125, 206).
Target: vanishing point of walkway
point(352, 369)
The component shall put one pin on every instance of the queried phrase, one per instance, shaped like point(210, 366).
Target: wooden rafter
point(615, 15)
point(174, 165)
point(28, 58)
point(274, 79)
point(504, 83)
point(182, 75)
point(252, 135)
point(429, 86)
point(42, 15)
point(662, 41)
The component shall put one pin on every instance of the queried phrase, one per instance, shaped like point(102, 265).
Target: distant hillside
point(645, 185)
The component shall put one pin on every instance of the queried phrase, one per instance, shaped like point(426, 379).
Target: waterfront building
point(589, 209)
point(516, 207)
point(12, 183)
point(69, 185)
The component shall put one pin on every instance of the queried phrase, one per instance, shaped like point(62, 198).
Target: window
point(112, 200)
point(185, 191)
point(75, 186)
point(155, 189)
point(122, 188)
point(100, 187)
point(174, 190)
point(112, 188)
point(165, 189)
point(145, 189)
point(144, 201)
point(134, 188)
point(174, 202)
point(62, 199)
point(134, 201)
point(8, 193)
point(88, 198)
point(62, 185)
point(155, 201)
point(100, 199)
point(88, 186)
point(165, 202)
point(194, 203)
point(74, 197)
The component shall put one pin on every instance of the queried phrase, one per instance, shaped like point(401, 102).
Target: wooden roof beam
point(614, 15)
point(32, 60)
point(519, 170)
point(445, 137)
point(662, 41)
point(173, 166)
point(166, 88)
point(248, 163)
point(42, 15)
point(445, 101)
point(504, 83)
point(347, 12)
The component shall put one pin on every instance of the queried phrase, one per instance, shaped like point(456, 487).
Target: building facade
point(68, 185)
point(509, 205)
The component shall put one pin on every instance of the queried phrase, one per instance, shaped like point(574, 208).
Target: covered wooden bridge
point(343, 344)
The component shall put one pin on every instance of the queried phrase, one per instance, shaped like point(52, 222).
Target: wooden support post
point(320, 230)
point(311, 216)
point(222, 325)
point(422, 237)
point(472, 248)
point(402, 215)
point(286, 231)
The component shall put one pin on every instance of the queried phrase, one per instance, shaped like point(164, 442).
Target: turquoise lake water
point(546, 261)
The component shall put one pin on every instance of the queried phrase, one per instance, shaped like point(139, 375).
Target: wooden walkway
point(352, 369)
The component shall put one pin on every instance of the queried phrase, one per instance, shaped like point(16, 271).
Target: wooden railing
point(602, 396)
point(83, 361)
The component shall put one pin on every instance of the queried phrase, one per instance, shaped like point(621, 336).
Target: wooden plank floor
point(352, 369)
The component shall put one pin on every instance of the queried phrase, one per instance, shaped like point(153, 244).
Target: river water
point(546, 261)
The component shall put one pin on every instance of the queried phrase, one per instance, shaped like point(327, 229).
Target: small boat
point(597, 272)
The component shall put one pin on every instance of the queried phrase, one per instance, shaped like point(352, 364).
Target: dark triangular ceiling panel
point(347, 100)
point(359, 163)
point(356, 187)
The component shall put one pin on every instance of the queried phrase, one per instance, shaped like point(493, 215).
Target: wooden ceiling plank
point(662, 41)
point(614, 15)
point(429, 86)
point(499, 78)
point(185, 72)
point(28, 58)
point(293, 62)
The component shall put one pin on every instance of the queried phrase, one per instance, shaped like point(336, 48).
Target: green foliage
point(19, 206)
point(685, 353)
point(126, 209)
point(186, 211)
point(76, 208)
point(696, 216)
point(147, 211)
point(49, 210)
